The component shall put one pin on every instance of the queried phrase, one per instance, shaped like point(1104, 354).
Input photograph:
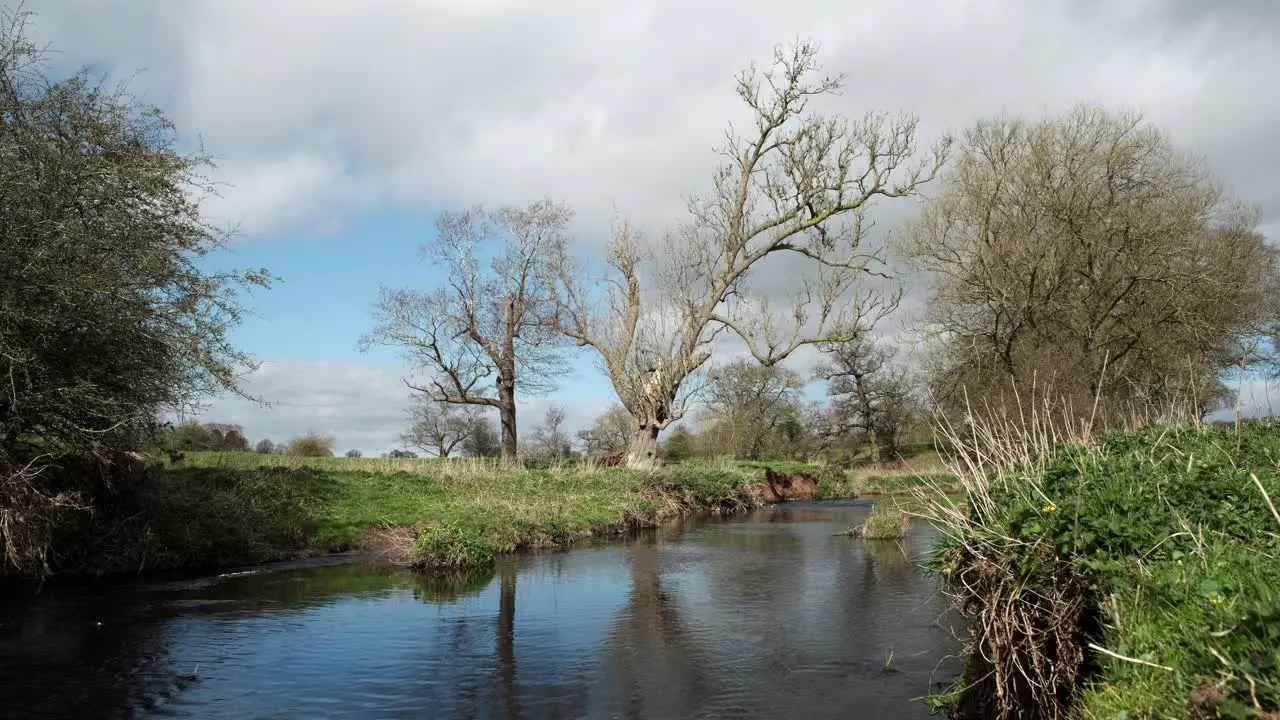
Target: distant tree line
point(194, 436)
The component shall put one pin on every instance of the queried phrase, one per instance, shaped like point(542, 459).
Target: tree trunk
point(642, 451)
point(507, 416)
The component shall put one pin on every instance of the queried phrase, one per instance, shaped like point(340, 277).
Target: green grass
point(219, 509)
point(452, 546)
point(1169, 537)
point(884, 523)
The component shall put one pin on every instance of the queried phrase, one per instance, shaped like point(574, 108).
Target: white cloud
point(360, 405)
point(324, 106)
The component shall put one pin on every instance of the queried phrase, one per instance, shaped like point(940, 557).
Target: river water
point(763, 615)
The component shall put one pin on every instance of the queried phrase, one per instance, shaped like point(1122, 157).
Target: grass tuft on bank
point(883, 523)
point(1134, 577)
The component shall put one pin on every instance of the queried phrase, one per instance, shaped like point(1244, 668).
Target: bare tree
point(1085, 242)
point(484, 333)
point(867, 393)
point(797, 185)
point(551, 438)
point(748, 403)
point(482, 439)
point(610, 432)
point(438, 428)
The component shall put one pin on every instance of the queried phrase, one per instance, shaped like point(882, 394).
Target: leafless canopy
point(489, 324)
point(798, 183)
point(869, 393)
point(747, 404)
point(439, 428)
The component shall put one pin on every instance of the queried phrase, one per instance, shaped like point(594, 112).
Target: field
point(219, 509)
point(222, 509)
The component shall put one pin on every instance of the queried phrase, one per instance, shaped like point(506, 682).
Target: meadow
point(219, 509)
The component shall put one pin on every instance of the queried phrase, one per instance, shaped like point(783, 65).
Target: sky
point(341, 128)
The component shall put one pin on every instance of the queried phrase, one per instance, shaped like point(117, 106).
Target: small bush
point(452, 545)
point(884, 524)
point(310, 445)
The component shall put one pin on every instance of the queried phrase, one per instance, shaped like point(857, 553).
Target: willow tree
point(798, 184)
point(486, 330)
point(1087, 251)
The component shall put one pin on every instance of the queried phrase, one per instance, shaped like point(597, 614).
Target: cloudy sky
point(342, 127)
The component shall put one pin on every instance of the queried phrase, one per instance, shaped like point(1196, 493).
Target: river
point(762, 615)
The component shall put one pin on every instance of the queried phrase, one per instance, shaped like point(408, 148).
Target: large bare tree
point(1087, 251)
point(799, 184)
point(485, 332)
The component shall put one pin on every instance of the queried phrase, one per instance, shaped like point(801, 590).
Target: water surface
point(766, 615)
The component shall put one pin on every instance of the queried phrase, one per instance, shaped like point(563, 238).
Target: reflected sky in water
point(766, 615)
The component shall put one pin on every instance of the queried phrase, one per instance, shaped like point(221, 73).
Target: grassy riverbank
point(223, 509)
point(1136, 577)
point(220, 509)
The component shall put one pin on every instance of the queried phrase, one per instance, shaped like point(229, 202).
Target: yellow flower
point(1050, 508)
point(1215, 601)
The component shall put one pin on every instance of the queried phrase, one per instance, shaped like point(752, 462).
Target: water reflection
point(767, 615)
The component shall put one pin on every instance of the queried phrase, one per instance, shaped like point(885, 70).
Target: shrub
point(452, 545)
point(310, 445)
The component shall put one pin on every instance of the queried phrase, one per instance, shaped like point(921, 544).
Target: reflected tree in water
point(650, 656)
point(506, 644)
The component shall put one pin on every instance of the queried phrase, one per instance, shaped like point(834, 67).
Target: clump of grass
point(452, 546)
point(883, 523)
point(1122, 574)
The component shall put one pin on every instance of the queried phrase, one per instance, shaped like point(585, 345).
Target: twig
point(1118, 656)
point(1221, 659)
point(1266, 497)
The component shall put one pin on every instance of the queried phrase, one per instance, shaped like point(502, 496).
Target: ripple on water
point(764, 615)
